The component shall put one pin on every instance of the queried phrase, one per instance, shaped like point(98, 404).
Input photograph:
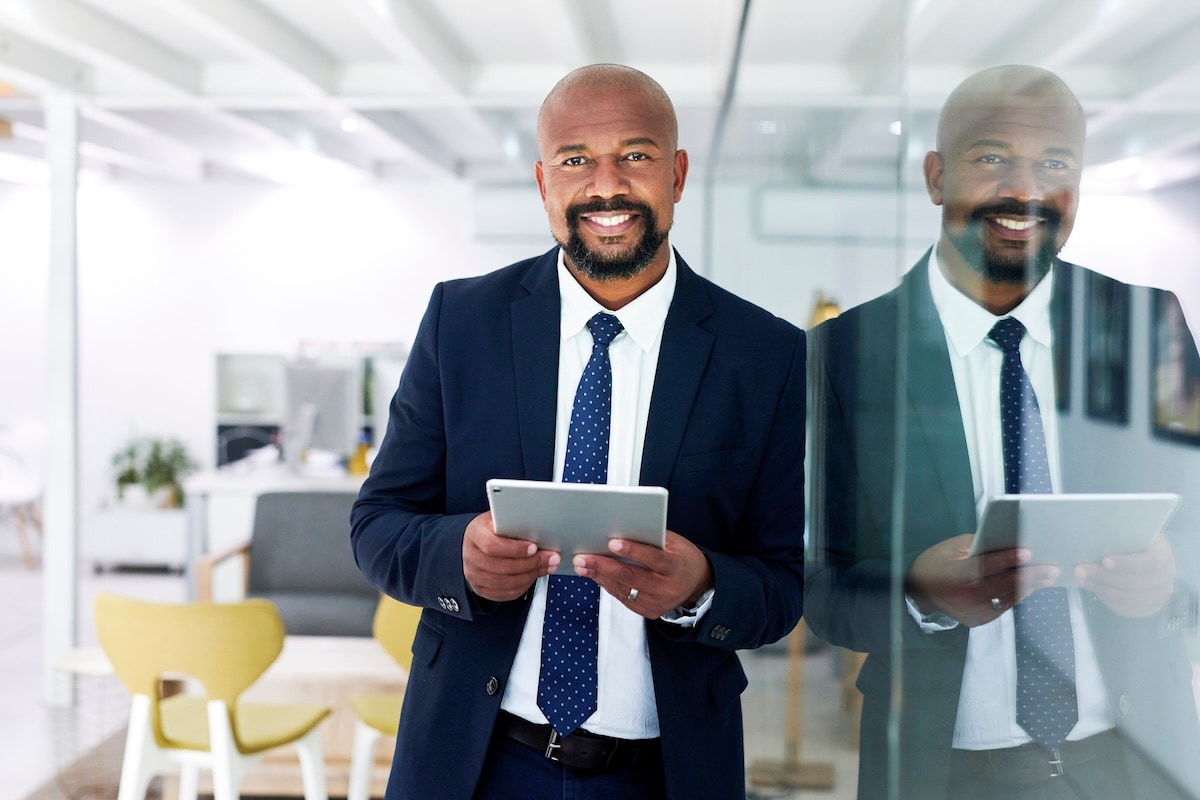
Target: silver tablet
point(573, 518)
point(1070, 529)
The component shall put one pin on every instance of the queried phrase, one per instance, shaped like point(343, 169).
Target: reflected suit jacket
point(477, 400)
point(876, 433)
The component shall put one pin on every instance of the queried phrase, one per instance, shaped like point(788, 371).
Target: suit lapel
point(535, 332)
point(934, 418)
point(681, 362)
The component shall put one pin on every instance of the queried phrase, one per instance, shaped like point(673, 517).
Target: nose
point(607, 179)
point(1022, 182)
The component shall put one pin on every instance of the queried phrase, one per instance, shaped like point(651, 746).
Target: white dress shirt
point(625, 705)
point(987, 707)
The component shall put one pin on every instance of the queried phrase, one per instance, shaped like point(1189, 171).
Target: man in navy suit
point(907, 447)
point(707, 401)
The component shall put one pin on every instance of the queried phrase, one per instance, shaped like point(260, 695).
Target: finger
point(1031, 579)
point(619, 579)
point(648, 555)
point(502, 547)
point(998, 561)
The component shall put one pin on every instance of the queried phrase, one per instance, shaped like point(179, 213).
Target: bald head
point(1006, 173)
point(574, 93)
point(995, 91)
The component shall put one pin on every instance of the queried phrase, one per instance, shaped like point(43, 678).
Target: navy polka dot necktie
point(1047, 707)
point(570, 636)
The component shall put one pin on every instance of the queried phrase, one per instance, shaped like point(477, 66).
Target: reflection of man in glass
point(913, 434)
point(1177, 375)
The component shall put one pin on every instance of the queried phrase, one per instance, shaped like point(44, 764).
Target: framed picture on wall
point(1060, 319)
point(1106, 347)
point(1174, 372)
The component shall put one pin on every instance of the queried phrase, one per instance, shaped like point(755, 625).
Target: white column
point(61, 503)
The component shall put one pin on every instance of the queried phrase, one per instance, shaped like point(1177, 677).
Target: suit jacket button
point(492, 686)
point(719, 632)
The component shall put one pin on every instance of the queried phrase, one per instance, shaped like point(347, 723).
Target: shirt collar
point(967, 323)
point(643, 317)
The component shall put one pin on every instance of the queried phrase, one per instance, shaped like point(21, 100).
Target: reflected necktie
point(1047, 707)
point(570, 636)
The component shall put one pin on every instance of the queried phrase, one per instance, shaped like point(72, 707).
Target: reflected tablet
point(1070, 529)
point(573, 518)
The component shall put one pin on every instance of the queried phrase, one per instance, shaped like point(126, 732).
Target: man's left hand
point(663, 579)
point(1134, 584)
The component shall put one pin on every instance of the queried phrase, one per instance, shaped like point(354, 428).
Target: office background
point(806, 122)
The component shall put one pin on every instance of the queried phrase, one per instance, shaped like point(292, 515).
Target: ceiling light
point(349, 124)
point(896, 128)
point(767, 126)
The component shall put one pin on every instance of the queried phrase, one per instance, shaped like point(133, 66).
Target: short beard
point(600, 266)
point(1012, 267)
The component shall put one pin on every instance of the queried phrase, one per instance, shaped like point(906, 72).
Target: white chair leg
point(189, 782)
point(362, 761)
point(141, 759)
point(312, 765)
point(228, 765)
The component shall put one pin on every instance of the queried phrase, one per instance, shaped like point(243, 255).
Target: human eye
point(574, 161)
point(990, 158)
point(637, 157)
point(1055, 164)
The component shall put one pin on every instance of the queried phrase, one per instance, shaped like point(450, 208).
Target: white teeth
point(1016, 224)
point(610, 222)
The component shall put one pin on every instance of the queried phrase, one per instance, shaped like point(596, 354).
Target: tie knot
point(1007, 333)
point(604, 328)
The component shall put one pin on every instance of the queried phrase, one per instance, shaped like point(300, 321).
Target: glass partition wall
point(1062, 197)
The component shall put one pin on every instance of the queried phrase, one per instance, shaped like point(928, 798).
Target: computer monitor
point(324, 406)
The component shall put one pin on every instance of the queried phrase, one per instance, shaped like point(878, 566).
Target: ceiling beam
point(85, 35)
point(409, 38)
point(36, 70)
point(256, 34)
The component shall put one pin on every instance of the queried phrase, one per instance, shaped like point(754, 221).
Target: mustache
point(1011, 208)
point(601, 206)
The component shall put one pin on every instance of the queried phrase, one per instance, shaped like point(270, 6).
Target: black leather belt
point(1030, 764)
point(581, 750)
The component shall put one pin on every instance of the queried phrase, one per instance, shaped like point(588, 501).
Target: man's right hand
point(946, 579)
point(498, 568)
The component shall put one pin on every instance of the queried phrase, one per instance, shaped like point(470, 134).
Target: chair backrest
point(395, 628)
point(301, 542)
point(223, 646)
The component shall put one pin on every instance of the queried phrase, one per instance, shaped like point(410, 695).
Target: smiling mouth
point(610, 222)
point(1016, 224)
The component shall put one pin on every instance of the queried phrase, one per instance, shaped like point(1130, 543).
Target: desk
point(220, 504)
point(311, 669)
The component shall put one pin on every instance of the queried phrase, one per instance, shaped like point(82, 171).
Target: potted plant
point(157, 464)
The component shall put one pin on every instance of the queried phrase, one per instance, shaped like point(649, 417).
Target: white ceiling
point(201, 89)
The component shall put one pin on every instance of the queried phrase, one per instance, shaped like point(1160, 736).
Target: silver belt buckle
point(552, 745)
point(1057, 764)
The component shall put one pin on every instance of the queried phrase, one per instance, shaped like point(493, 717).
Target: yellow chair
point(378, 715)
point(224, 648)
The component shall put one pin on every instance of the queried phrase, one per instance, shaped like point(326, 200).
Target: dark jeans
point(1103, 775)
point(515, 772)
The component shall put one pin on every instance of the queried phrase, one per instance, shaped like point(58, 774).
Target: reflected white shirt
point(625, 705)
point(987, 716)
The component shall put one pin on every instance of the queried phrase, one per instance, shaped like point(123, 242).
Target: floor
point(37, 742)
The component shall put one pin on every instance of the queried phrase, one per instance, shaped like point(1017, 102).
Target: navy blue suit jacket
point(892, 477)
point(477, 400)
